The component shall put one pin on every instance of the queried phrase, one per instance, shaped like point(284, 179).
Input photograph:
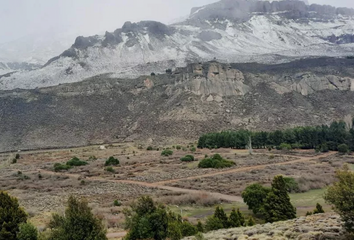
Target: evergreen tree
point(234, 220)
point(221, 215)
point(277, 206)
point(77, 223)
point(251, 222)
point(241, 217)
point(254, 196)
point(200, 227)
point(11, 216)
point(318, 209)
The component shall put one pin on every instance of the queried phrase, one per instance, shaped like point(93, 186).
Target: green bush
point(61, 167)
point(27, 232)
point(14, 161)
point(11, 216)
point(75, 162)
point(285, 146)
point(215, 161)
point(318, 209)
point(117, 203)
point(187, 158)
point(343, 148)
point(112, 162)
point(193, 149)
point(178, 147)
point(149, 148)
point(254, 196)
point(166, 152)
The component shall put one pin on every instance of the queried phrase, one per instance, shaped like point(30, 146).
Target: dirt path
point(244, 169)
point(161, 185)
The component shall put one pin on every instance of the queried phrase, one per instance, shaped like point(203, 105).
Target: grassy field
point(302, 201)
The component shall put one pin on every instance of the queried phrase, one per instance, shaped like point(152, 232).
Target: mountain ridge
point(229, 30)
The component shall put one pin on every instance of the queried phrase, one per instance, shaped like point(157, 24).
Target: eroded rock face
point(216, 80)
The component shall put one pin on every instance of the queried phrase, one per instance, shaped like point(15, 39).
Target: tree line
point(322, 138)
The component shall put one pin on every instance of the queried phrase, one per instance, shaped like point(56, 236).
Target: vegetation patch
point(166, 152)
point(216, 161)
point(75, 162)
point(187, 158)
point(111, 161)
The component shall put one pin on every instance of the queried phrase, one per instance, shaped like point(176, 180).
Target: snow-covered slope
point(229, 30)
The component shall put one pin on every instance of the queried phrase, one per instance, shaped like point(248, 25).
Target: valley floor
point(182, 186)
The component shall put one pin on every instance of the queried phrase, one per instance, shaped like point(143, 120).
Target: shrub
point(149, 148)
point(178, 147)
point(17, 156)
point(193, 149)
point(92, 158)
point(341, 195)
point(187, 229)
point(112, 162)
point(78, 222)
point(215, 161)
point(251, 222)
point(285, 146)
point(343, 148)
point(200, 227)
point(27, 232)
point(318, 209)
point(11, 216)
point(213, 223)
point(75, 162)
point(14, 161)
point(187, 158)
point(166, 152)
point(254, 196)
point(117, 203)
point(61, 167)
point(110, 169)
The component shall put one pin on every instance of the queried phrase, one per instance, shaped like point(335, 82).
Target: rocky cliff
point(178, 105)
point(229, 30)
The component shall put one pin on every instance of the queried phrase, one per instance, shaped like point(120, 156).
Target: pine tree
point(200, 227)
point(241, 217)
point(11, 216)
point(318, 209)
point(234, 220)
point(221, 215)
point(277, 206)
point(251, 222)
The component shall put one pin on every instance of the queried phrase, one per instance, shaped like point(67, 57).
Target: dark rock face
point(200, 97)
point(209, 36)
point(85, 42)
point(342, 39)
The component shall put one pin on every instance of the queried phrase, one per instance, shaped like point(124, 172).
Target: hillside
point(229, 30)
point(183, 104)
point(319, 226)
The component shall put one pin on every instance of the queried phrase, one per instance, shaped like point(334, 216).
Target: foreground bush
point(254, 196)
point(11, 216)
point(148, 220)
point(215, 161)
point(111, 161)
point(75, 162)
point(341, 195)
point(187, 158)
point(77, 223)
point(27, 232)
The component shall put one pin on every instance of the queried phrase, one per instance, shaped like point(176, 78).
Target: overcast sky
point(19, 18)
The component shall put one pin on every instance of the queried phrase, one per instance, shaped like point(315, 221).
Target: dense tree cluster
point(322, 138)
point(148, 220)
point(272, 204)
